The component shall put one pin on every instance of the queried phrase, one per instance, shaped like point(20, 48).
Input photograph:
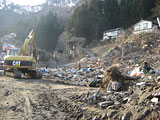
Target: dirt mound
point(110, 74)
point(113, 74)
point(135, 50)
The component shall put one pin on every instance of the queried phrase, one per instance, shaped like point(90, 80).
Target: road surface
point(42, 99)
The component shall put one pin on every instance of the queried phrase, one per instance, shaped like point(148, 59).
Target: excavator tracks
point(35, 74)
point(18, 74)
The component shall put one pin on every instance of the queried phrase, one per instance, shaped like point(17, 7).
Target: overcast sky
point(27, 2)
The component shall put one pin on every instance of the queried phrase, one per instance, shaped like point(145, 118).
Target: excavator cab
point(14, 51)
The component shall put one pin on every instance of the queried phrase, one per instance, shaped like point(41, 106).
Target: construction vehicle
point(18, 61)
point(1, 57)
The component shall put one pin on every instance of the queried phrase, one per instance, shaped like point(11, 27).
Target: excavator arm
point(29, 47)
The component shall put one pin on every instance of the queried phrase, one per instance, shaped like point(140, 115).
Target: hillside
point(83, 76)
point(66, 92)
point(129, 52)
point(12, 14)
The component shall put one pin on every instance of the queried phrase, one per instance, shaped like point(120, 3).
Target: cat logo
point(16, 63)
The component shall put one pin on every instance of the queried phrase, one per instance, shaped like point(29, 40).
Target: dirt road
point(31, 99)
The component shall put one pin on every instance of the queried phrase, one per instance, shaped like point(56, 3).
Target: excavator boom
point(28, 43)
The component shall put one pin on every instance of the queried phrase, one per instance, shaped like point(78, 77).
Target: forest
point(89, 20)
point(92, 18)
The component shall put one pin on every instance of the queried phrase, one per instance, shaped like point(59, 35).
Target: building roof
point(142, 21)
point(110, 30)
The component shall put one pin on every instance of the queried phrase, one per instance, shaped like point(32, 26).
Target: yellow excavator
point(18, 61)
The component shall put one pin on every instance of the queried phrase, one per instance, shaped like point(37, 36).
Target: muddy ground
point(42, 99)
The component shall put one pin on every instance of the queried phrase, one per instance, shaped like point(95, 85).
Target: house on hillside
point(9, 37)
point(112, 33)
point(144, 26)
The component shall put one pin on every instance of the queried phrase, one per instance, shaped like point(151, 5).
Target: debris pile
point(90, 75)
point(122, 88)
point(130, 90)
point(140, 101)
point(135, 50)
point(115, 80)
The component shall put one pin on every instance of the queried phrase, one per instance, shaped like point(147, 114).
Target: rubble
point(155, 100)
point(106, 104)
point(91, 75)
point(115, 80)
point(132, 51)
point(96, 90)
point(130, 97)
point(116, 103)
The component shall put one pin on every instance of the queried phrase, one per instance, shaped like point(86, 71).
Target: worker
point(70, 54)
point(45, 71)
point(37, 59)
point(79, 66)
point(145, 67)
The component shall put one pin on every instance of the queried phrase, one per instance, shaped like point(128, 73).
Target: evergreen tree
point(156, 10)
point(47, 31)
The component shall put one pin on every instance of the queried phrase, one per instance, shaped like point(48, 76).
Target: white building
point(112, 33)
point(10, 36)
point(144, 26)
